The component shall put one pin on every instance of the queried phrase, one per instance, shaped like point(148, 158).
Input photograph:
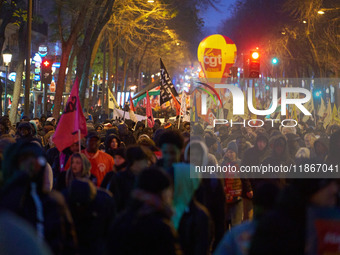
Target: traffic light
point(46, 71)
point(254, 64)
point(275, 61)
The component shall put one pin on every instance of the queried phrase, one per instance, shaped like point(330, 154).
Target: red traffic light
point(46, 63)
point(255, 55)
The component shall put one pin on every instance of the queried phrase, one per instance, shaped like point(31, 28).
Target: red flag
point(149, 115)
point(132, 107)
point(177, 104)
point(71, 121)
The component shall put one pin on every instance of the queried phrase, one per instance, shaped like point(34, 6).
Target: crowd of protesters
point(129, 191)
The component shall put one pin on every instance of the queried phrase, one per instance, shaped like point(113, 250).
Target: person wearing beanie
point(283, 230)
point(145, 227)
point(119, 156)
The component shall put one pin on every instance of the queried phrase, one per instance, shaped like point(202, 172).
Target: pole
point(116, 81)
point(45, 99)
point(5, 103)
point(79, 141)
point(104, 75)
point(28, 56)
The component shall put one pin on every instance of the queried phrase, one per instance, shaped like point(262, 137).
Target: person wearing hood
point(191, 219)
point(242, 146)
point(210, 192)
point(23, 193)
point(145, 227)
point(234, 186)
point(126, 135)
point(279, 152)
point(283, 230)
point(122, 183)
point(321, 148)
point(112, 142)
point(24, 131)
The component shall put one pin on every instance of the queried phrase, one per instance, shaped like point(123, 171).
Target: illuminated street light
point(275, 61)
point(7, 58)
point(151, 1)
point(304, 22)
point(321, 12)
point(318, 93)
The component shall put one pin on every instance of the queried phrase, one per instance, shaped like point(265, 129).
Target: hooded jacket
point(191, 219)
point(23, 194)
point(282, 159)
point(253, 156)
point(210, 193)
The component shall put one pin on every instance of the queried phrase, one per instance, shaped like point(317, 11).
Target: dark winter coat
point(196, 230)
point(58, 228)
point(211, 194)
point(120, 185)
point(282, 231)
point(143, 230)
point(93, 211)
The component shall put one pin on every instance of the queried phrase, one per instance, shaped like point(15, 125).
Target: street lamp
point(7, 58)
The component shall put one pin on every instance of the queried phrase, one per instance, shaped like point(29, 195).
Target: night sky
point(213, 18)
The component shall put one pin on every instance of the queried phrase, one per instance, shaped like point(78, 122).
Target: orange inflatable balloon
point(216, 54)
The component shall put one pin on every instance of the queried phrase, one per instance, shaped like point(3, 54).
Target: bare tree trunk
point(110, 65)
point(66, 49)
point(18, 79)
point(125, 71)
point(104, 105)
point(95, 90)
point(70, 70)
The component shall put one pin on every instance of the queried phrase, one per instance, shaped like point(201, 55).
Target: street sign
point(42, 50)
point(52, 86)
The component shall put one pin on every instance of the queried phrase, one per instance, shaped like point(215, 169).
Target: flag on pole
point(177, 105)
point(149, 115)
point(294, 113)
point(335, 118)
point(167, 89)
point(132, 107)
point(328, 119)
point(310, 107)
point(322, 108)
point(194, 115)
point(71, 121)
point(112, 101)
point(183, 105)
